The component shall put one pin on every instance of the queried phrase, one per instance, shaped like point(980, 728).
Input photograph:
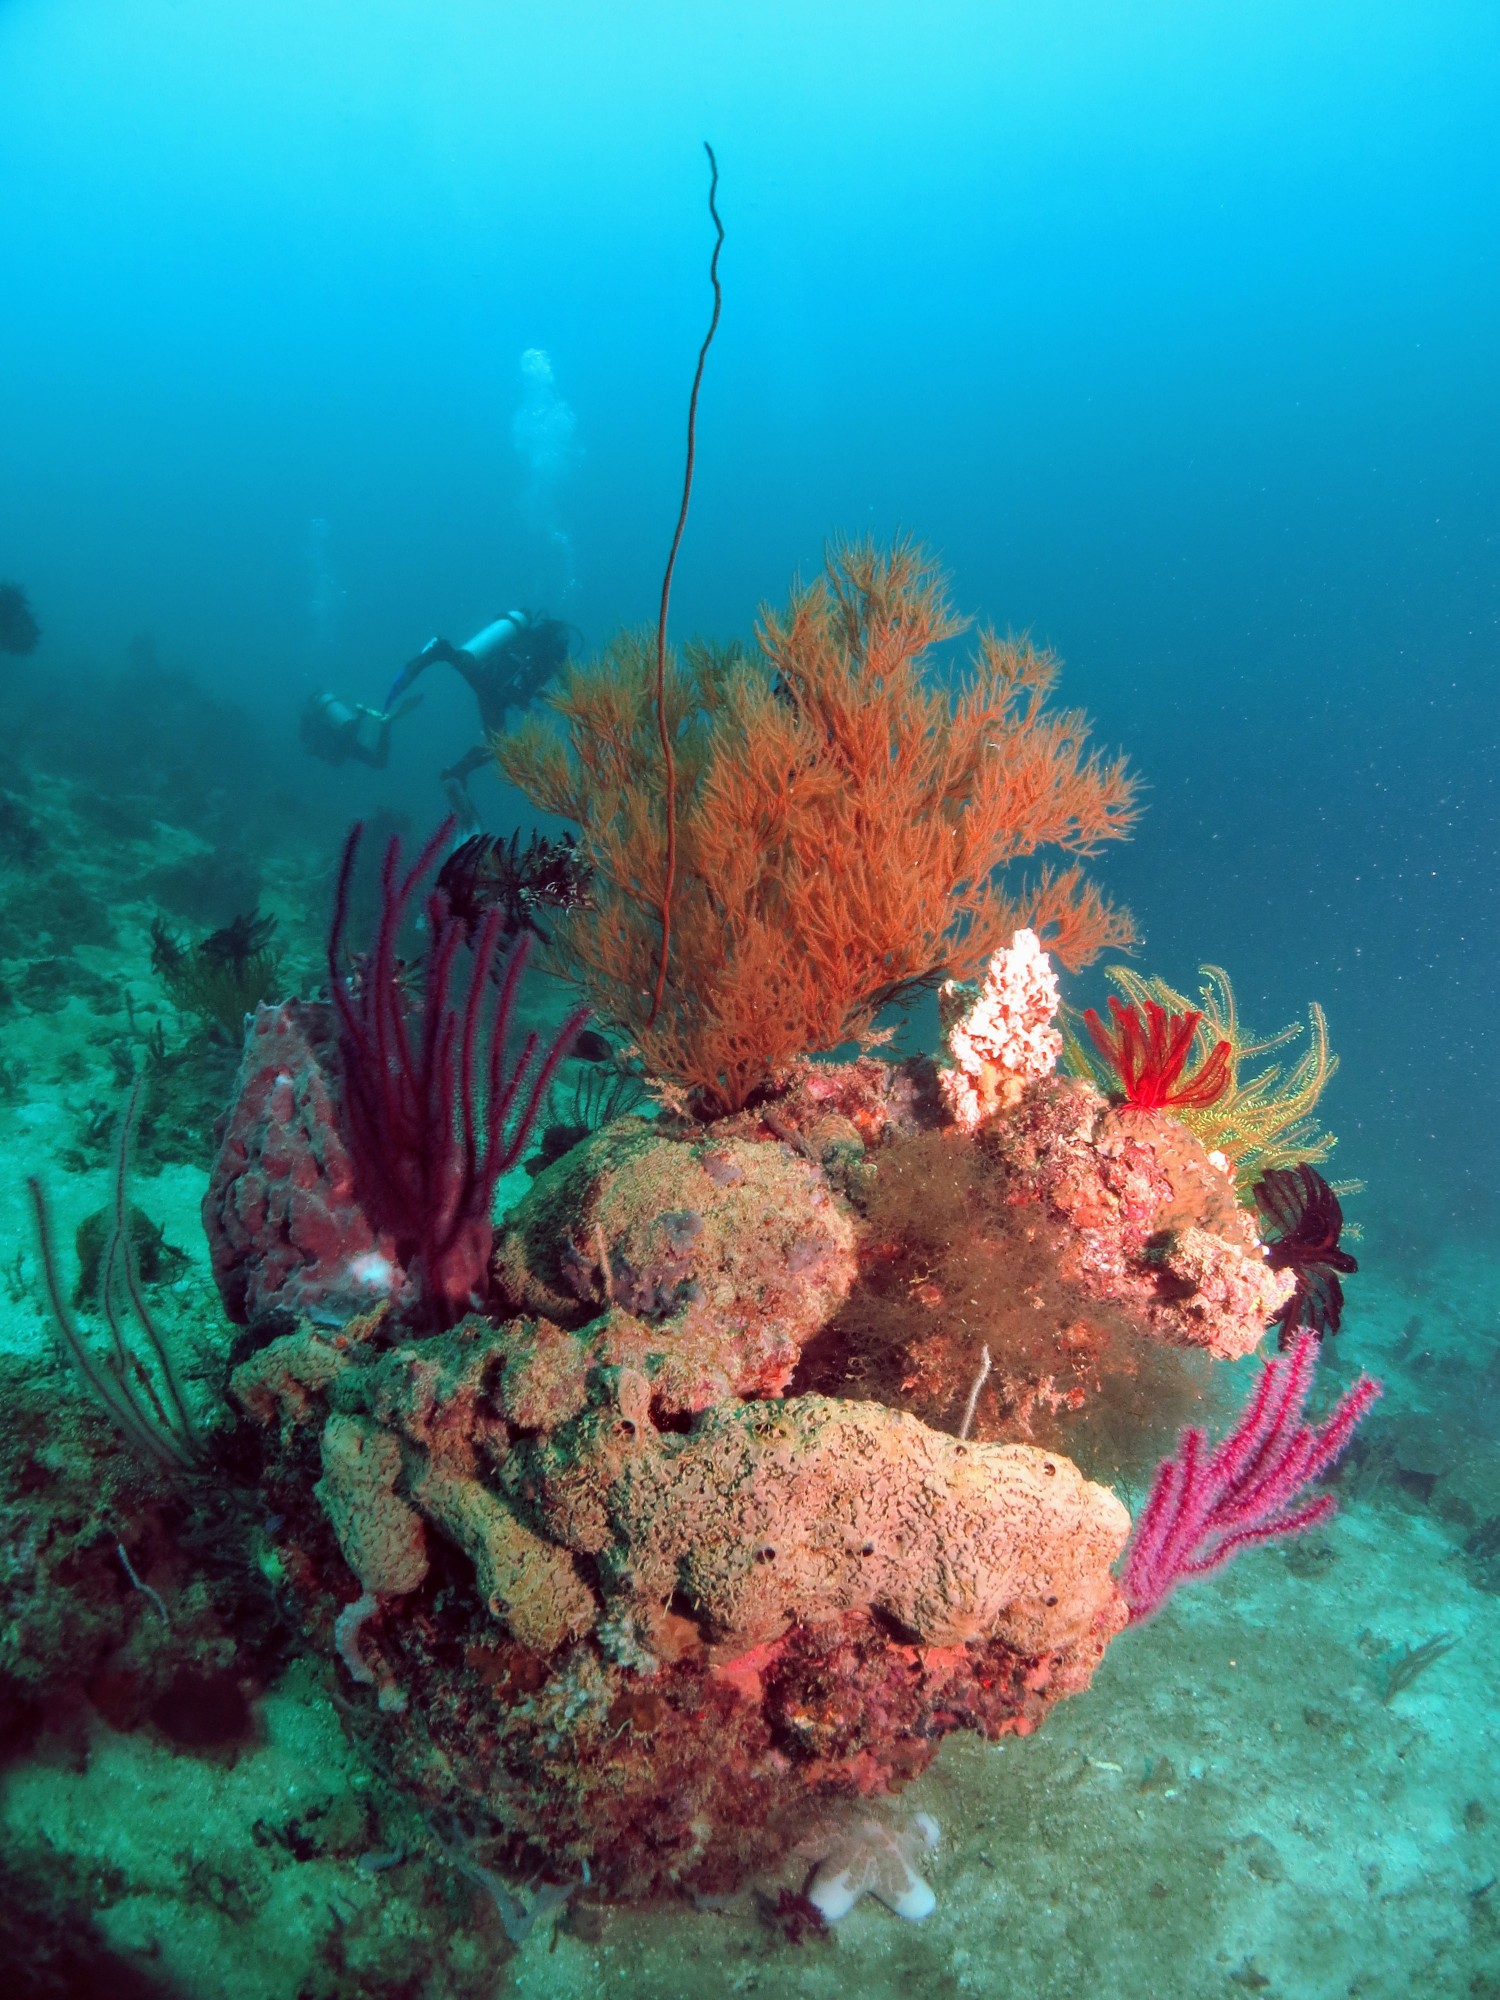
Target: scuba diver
point(507, 665)
point(344, 732)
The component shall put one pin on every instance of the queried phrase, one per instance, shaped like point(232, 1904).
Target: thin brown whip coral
point(159, 1424)
point(669, 761)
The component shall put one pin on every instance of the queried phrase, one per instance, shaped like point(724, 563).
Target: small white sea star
point(874, 1856)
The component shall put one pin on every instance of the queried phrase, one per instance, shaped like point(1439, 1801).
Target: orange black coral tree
point(844, 820)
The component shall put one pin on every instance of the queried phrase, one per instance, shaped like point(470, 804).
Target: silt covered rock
point(731, 1252)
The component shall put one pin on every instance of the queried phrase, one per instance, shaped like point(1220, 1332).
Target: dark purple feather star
point(1302, 1215)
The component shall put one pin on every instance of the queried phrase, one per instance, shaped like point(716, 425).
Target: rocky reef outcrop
point(647, 1654)
point(629, 1586)
point(1061, 1276)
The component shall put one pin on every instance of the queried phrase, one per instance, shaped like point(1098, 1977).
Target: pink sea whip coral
point(428, 1098)
point(1005, 1036)
point(1205, 1507)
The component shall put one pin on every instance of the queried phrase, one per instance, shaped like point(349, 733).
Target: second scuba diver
point(507, 664)
point(344, 732)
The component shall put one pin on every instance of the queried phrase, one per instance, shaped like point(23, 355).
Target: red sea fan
point(1148, 1051)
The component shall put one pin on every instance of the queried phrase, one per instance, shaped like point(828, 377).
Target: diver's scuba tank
point(496, 636)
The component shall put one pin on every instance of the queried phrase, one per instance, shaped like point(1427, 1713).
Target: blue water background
point(1173, 327)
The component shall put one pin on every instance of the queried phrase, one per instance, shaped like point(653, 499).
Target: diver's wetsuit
point(507, 664)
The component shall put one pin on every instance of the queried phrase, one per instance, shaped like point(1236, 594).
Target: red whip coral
point(1148, 1051)
point(428, 1100)
point(1203, 1509)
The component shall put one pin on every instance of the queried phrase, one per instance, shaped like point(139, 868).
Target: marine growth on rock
point(685, 1553)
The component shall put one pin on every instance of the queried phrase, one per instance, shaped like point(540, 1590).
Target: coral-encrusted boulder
point(1059, 1276)
point(1152, 1222)
point(285, 1229)
point(660, 1651)
point(640, 1612)
point(768, 1515)
point(723, 1255)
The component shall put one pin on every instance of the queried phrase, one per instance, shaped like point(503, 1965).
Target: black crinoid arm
point(1303, 1220)
point(239, 941)
point(488, 872)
